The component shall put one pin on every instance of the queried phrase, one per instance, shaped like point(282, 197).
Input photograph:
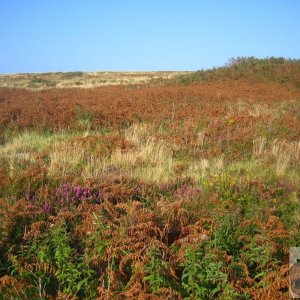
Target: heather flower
point(163, 187)
point(47, 208)
point(68, 194)
point(186, 191)
point(30, 196)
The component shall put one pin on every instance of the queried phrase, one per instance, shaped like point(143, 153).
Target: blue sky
point(61, 35)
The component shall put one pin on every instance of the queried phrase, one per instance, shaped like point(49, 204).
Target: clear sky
point(86, 35)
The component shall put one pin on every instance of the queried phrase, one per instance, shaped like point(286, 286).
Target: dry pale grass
point(29, 141)
point(23, 148)
point(138, 133)
point(198, 170)
point(94, 167)
point(200, 138)
point(285, 154)
point(253, 109)
point(259, 109)
point(77, 160)
point(259, 146)
point(65, 158)
point(151, 160)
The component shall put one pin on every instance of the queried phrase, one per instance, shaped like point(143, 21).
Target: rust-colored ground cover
point(116, 105)
point(149, 192)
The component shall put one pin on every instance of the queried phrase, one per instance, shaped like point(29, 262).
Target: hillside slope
point(276, 70)
point(181, 190)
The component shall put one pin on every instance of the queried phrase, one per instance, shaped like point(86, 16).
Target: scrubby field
point(38, 81)
point(187, 190)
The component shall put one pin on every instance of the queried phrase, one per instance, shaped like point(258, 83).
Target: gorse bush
point(69, 75)
point(271, 69)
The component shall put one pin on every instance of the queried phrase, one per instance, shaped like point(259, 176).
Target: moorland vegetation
point(186, 190)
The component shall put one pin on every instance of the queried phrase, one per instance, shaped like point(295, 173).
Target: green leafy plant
point(202, 276)
point(156, 270)
point(73, 273)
